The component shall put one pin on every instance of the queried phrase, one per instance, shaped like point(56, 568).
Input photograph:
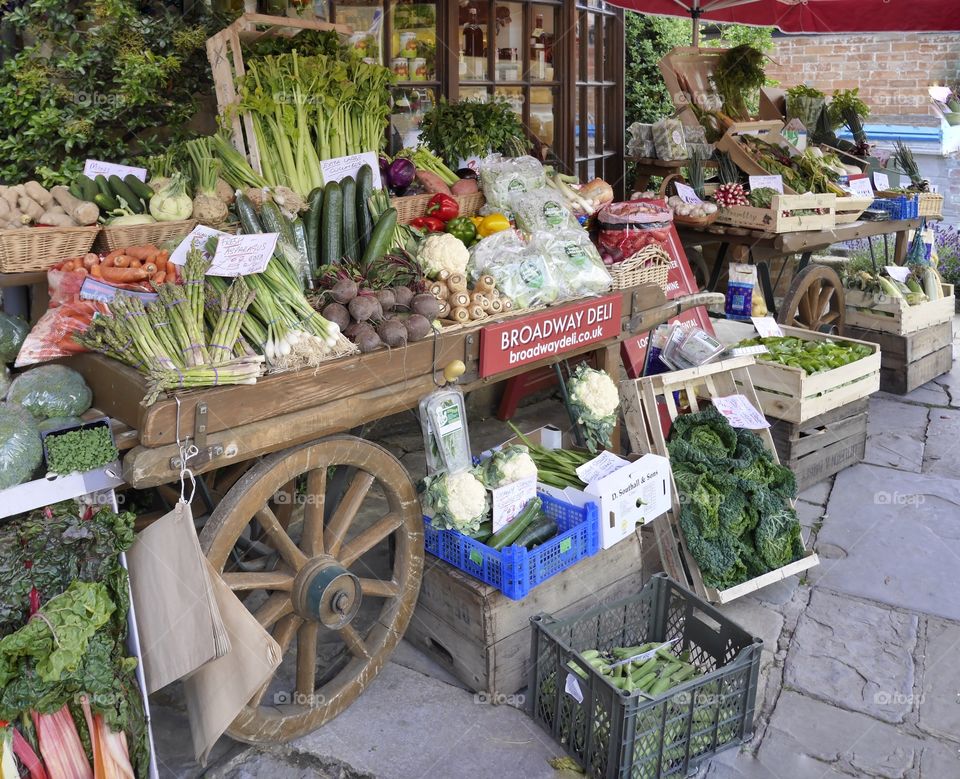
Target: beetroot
point(368, 340)
point(426, 305)
point(364, 307)
point(344, 291)
point(418, 327)
point(387, 299)
point(392, 332)
point(402, 297)
point(338, 314)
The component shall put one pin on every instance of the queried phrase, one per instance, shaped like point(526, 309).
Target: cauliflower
point(442, 251)
point(594, 398)
point(510, 464)
point(455, 501)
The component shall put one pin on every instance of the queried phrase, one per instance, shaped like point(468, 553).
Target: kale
point(735, 510)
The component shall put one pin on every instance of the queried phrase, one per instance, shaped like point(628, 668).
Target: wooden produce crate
point(783, 216)
point(910, 361)
point(849, 208)
point(483, 638)
point(931, 204)
point(871, 311)
point(820, 447)
point(788, 393)
point(224, 51)
point(643, 401)
point(769, 130)
point(688, 73)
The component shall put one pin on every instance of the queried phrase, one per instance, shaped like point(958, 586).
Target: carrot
point(124, 275)
point(150, 267)
point(123, 261)
point(141, 252)
point(68, 266)
point(108, 262)
point(90, 259)
point(162, 256)
point(135, 263)
point(158, 277)
point(97, 271)
point(114, 253)
point(81, 271)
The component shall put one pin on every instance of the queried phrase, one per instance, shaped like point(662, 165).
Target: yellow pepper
point(494, 223)
point(476, 221)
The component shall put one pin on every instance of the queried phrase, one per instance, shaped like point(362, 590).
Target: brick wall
point(892, 71)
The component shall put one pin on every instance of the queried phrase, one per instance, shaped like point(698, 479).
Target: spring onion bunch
point(235, 169)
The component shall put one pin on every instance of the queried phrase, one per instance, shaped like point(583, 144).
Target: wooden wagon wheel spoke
point(369, 538)
point(376, 588)
point(815, 301)
point(307, 658)
point(287, 500)
point(279, 538)
point(347, 510)
point(311, 539)
point(283, 633)
point(269, 580)
point(354, 642)
point(276, 606)
point(823, 303)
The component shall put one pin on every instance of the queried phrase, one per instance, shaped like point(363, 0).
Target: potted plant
point(947, 239)
point(457, 132)
point(805, 103)
point(738, 77)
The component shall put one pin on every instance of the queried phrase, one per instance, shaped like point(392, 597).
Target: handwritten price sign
point(241, 255)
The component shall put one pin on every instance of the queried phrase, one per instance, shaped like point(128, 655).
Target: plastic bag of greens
point(4, 382)
point(520, 270)
point(573, 260)
point(501, 177)
point(12, 332)
point(51, 391)
point(20, 447)
point(541, 209)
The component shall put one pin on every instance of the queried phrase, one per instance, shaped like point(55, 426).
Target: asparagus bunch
point(556, 467)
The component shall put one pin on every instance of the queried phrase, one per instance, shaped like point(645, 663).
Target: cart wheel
point(339, 594)
point(814, 301)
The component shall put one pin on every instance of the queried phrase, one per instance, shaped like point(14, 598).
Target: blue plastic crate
point(515, 570)
point(900, 207)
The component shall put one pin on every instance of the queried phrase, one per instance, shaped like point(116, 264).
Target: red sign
point(680, 282)
point(548, 333)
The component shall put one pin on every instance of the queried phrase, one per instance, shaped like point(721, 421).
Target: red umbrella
point(813, 16)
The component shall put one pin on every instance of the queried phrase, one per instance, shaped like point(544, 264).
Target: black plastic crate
point(619, 735)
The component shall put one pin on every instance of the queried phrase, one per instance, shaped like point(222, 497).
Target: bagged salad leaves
point(20, 447)
point(520, 270)
point(5, 381)
point(51, 391)
point(541, 209)
point(12, 332)
point(573, 260)
point(501, 177)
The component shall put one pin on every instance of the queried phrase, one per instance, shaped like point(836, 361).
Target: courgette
point(138, 188)
point(275, 222)
point(88, 187)
point(249, 220)
point(312, 223)
point(105, 202)
point(364, 220)
point(300, 242)
point(508, 535)
point(331, 225)
point(121, 190)
point(104, 187)
point(382, 238)
point(348, 186)
point(537, 532)
point(74, 189)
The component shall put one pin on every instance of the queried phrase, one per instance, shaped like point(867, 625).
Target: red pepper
point(443, 207)
point(430, 224)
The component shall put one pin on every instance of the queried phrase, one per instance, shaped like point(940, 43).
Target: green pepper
point(461, 227)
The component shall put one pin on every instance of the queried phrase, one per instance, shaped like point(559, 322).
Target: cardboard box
point(43, 492)
point(634, 495)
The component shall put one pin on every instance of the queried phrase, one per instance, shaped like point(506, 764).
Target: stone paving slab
point(940, 695)
point(895, 434)
point(893, 538)
point(817, 493)
point(941, 453)
point(854, 655)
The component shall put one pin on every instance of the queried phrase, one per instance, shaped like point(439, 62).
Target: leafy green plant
point(456, 131)
point(846, 108)
point(739, 74)
point(97, 79)
point(802, 90)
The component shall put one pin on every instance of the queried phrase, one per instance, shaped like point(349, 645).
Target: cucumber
point(88, 187)
point(506, 536)
point(381, 240)
point(349, 188)
point(274, 222)
point(121, 190)
point(106, 203)
point(312, 221)
point(247, 212)
point(138, 188)
point(364, 220)
point(537, 532)
point(331, 225)
point(107, 193)
point(300, 242)
point(74, 189)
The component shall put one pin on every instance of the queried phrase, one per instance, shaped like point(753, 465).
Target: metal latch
point(205, 453)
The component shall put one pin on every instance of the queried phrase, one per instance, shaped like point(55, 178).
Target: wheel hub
point(326, 592)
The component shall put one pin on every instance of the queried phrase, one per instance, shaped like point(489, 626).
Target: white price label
point(509, 500)
point(196, 239)
point(240, 255)
point(687, 194)
point(767, 326)
point(767, 182)
point(881, 181)
point(93, 168)
point(602, 465)
point(740, 412)
point(897, 273)
point(340, 167)
point(860, 186)
point(572, 688)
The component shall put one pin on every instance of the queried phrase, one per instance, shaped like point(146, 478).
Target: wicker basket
point(650, 265)
point(931, 204)
point(111, 238)
point(37, 248)
point(409, 208)
point(687, 221)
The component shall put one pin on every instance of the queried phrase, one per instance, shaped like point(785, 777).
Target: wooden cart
point(337, 582)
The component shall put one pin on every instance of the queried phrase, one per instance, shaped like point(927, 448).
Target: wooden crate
point(910, 361)
point(871, 311)
point(783, 216)
point(688, 72)
point(642, 401)
point(849, 208)
point(224, 51)
point(820, 447)
point(768, 130)
point(789, 394)
point(483, 638)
